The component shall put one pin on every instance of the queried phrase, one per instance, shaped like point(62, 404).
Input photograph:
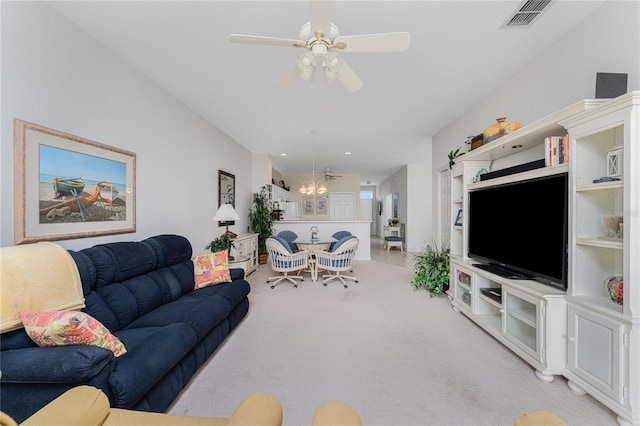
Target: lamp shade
point(226, 213)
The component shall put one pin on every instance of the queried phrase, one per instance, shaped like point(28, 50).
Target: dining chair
point(338, 261)
point(289, 237)
point(338, 235)
point(283, 260)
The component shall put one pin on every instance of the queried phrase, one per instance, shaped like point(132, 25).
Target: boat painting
point(66, 186)
point(108, 191)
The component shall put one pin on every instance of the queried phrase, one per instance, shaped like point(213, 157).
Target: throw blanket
point(39, 277)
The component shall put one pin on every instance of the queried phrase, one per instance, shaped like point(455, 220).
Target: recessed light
point(347, 153)
point(284, 154)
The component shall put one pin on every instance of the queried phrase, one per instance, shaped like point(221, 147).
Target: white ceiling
point(459, 53)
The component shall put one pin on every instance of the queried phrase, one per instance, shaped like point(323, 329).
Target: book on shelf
point(556, 150)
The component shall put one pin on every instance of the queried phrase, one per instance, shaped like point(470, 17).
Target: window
point(366, 195)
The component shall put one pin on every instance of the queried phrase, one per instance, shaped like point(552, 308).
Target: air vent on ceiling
point(526, 13)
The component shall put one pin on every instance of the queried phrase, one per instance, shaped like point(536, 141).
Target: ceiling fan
point(321, 38)
point(328, 176)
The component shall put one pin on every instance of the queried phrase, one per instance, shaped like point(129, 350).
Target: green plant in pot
point(261, 221)
point(431, 269)
point(219, 244)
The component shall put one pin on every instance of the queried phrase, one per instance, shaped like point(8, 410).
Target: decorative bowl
point(615, 288)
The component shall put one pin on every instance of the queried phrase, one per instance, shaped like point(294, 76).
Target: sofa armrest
point(58, 364)
point(257, 409)
point(80, 406)
point(236, 273)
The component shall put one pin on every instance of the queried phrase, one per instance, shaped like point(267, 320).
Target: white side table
point(241, 262)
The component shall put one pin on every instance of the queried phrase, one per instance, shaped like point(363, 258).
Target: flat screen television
point(522, 227)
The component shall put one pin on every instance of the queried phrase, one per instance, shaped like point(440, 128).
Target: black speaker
point(610, 85)
point(512, 170)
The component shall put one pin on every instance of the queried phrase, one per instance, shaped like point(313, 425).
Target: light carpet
point(394, 354)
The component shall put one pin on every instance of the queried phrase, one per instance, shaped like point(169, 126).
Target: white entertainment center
point(580, 333)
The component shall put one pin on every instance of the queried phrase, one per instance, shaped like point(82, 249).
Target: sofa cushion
point(59, 364)
point(153, 351)
point(69, 328)
point(201, 313)
point(170, 249)
point(211, 269)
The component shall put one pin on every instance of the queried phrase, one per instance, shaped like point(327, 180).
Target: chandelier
point(313, 187)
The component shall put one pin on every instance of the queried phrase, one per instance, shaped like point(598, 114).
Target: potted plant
point(431, 269)
point(219, 244)
point(452, 157)
point(261, 221)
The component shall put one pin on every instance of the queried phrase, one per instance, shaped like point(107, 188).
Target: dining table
point(313, 245)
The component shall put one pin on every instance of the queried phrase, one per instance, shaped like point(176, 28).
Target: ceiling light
point(313, 187)
point(347, 153)
point(284, 154)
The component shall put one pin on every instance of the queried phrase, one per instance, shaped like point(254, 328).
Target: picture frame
point(226, 193)
point(321, 205)
point(307, 205)
point(458, 221)
point(70, 187)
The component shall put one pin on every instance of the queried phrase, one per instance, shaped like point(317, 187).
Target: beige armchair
point(89, 406)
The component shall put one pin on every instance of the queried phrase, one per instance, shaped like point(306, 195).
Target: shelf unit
point(491, 155)
point(604, 337)
point(529, 317)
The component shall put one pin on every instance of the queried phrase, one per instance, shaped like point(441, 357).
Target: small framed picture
point(307, 205)
point(321, 205)
point(458, 221)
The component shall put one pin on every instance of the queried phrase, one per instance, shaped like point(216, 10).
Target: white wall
point(606, 41)
point(55, 75)
point(420, 210)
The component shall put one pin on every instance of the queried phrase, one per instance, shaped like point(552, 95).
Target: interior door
point(342, 205)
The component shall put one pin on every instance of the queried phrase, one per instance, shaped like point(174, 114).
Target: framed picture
point(321, 205)
point(226, 192)
point(70, 187)
point(307, 205)
point(458, 221)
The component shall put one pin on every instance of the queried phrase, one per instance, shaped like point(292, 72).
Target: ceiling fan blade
point(268, 41)
point(320, 14)
point(288, 77)
point(348, 78)
point(382, 42)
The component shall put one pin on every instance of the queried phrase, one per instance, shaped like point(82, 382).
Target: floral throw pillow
point(59, 328)
point(210, 269)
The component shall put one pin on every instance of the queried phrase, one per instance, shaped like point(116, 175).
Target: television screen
point(522, 226)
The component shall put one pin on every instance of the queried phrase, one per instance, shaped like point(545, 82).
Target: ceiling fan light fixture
point(307, 65)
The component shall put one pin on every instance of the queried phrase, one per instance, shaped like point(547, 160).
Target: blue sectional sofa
point(143, 292)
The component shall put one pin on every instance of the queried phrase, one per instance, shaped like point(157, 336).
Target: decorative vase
point(615, 288)
point(500, 129)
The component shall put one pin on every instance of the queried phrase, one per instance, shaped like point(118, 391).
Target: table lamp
point(226, 213)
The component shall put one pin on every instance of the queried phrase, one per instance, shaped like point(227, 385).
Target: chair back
point(282, 259)
point(338, 236)
point(339, 259)
point(289, 237)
